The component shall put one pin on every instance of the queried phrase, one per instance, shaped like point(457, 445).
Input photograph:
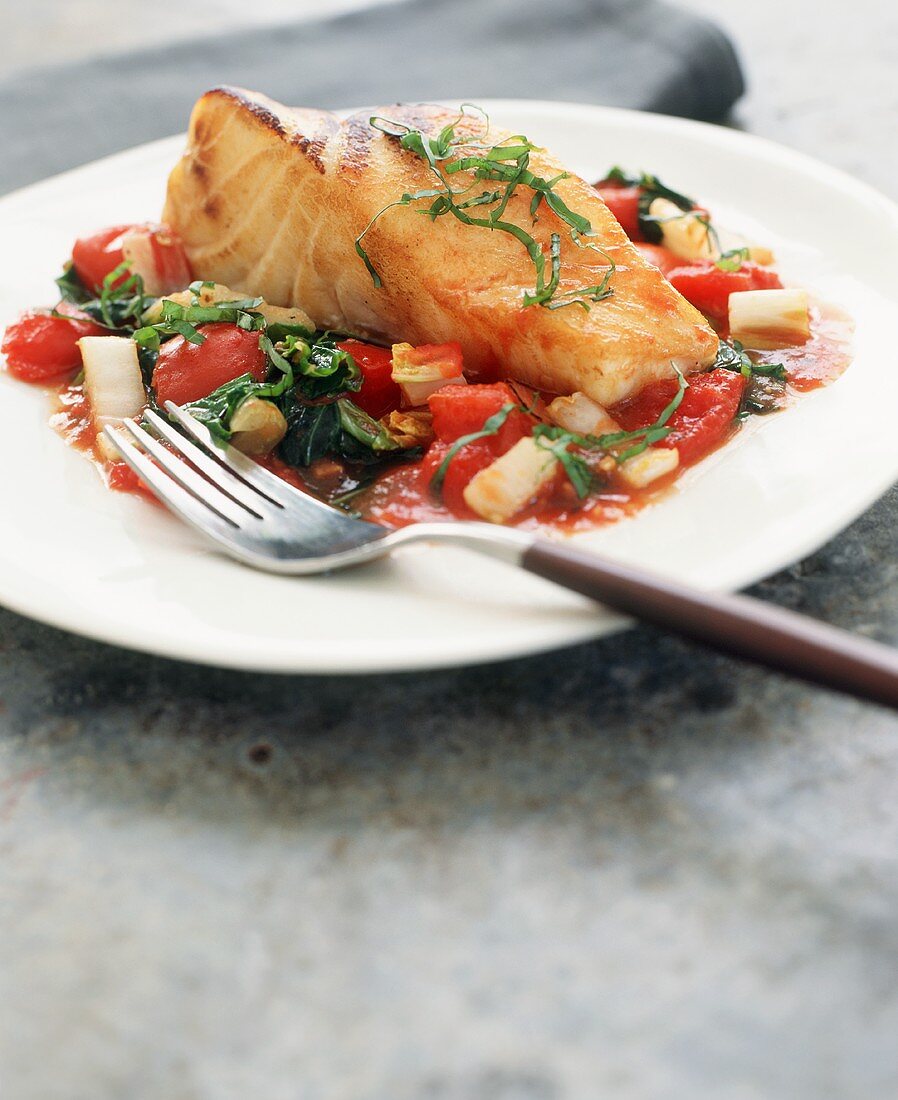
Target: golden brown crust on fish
point(270, 200)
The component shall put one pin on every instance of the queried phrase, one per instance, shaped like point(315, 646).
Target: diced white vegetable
point(112, 382)
point(764, 320)
point(730, 241)
point(410, 427)
point(284, 315)
point(416, 393)
point(149, 252)
point(683, 233)
point(419, 380)
point(508, 484)
point(759, 254)
point(208, 295)
point(643, 469)
point(579, 413)
point(218, 292)
point(257, 426)
point(137, 248)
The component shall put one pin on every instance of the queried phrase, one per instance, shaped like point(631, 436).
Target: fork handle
point(771, 636)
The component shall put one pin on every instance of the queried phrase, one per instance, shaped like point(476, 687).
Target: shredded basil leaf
point(732, 260)
point(731, 355)
point(507, 163)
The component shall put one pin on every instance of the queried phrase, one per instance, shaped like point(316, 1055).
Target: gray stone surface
point(631, 869)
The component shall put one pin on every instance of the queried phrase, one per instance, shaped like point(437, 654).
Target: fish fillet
point(270, 199)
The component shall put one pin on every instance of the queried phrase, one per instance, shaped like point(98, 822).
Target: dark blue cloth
point(629, 53)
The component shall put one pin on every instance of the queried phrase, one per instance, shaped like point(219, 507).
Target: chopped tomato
point(379, 393)
point(703, 418)
point(448, 356)
point(464, 464)
point(657, 254)
point(460, 410)
point(96, 256)
point(156, 254)
point(623, 202)
point(186, 372)
point(708, 288)
point(154, 251)
point(39, 347)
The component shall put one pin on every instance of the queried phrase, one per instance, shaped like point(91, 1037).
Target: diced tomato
point(186, 372)
point(708, 288)
point(96, 256)
point(465, 463)
point(449, 356)
point(39, 347)
point(154, 251)
point(623, 202)
point(657, 254)
point(379, 393)
point(460, 410)
point(703, 418)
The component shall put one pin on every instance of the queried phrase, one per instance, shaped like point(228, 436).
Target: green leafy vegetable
point(364, 429)
point(652, 188)
point(183, 320)
point(319, 366)
point(121, 301)
point(558, 441)
point(732, 260)
point(507, 163)
point(313, 431)
point(733, 356)
point(619, 445)
point(336, 428)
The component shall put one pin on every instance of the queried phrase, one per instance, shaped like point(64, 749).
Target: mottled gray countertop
point(630, 869)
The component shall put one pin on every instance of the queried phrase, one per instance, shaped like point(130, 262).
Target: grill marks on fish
point(274, 209)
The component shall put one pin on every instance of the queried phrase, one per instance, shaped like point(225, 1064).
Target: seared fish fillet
point(269, 200)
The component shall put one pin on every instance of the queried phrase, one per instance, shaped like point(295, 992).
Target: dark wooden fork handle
point(780, 640)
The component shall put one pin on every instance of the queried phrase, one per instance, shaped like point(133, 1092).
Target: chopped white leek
point(257, 426)
point(579, 413)
point(112, 382)
point(137, 249)
point(643, 469)
point(218, 292)
point(764, 320)
point(511, 482)
point(419, 380)
point(685, 234)
point(285, 315)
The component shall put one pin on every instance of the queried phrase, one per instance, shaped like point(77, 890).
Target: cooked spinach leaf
point(121, 301)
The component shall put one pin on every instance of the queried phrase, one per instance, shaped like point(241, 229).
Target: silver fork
point(257, 518)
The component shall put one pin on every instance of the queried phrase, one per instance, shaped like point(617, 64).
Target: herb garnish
point(507, 163)
point(580, 474)
point(732, 259)
point(121, 301)
point(651, 188)
point(558, 441)
point(733, 356)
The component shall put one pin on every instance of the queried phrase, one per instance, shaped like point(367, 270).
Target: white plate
point(113, 567)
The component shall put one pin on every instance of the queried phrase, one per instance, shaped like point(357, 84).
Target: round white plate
point(115, 568)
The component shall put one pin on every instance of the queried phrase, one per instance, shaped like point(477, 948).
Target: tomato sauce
point(402, 495)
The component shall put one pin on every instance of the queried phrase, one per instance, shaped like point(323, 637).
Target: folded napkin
point(629, 53)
